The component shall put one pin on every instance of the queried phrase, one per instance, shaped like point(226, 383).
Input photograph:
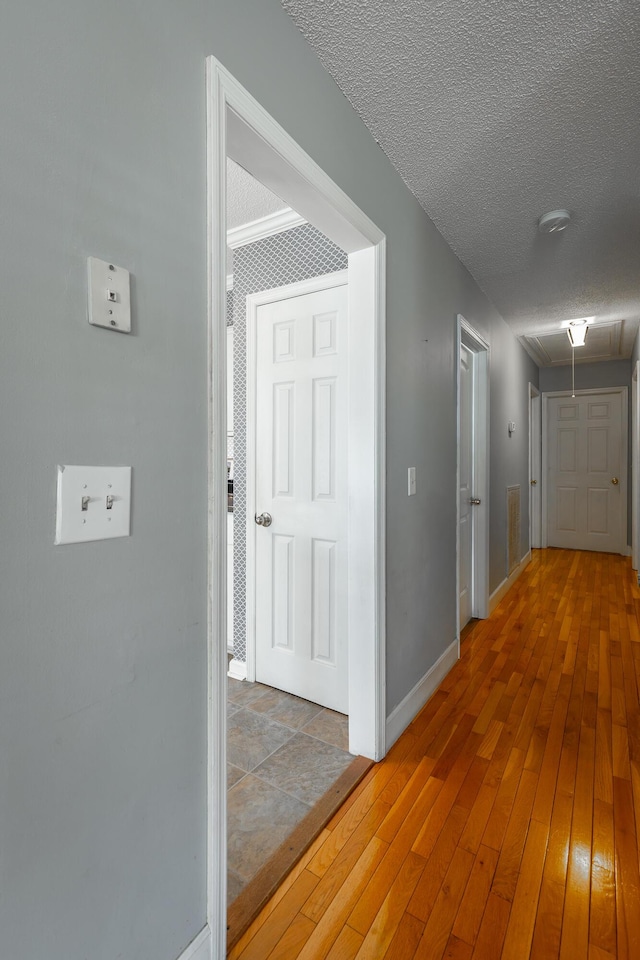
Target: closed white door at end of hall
point(585, 473)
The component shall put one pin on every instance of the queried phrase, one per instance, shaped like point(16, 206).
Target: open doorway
point(239, 128)
point(286, 445)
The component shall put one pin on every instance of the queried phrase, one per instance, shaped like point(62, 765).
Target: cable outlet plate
point(109, 296)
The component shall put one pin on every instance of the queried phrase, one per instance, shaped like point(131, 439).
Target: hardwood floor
point(505, 821)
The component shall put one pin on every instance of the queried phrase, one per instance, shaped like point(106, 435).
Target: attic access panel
point(553, 349)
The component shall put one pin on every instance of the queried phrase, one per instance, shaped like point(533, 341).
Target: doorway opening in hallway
point(240, 129)
point(287, 337)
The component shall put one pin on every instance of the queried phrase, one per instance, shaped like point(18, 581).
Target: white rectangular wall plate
point(94, 503)
point(411, 482)
point(109, 296)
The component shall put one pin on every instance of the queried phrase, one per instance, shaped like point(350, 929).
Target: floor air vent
point(513, 528)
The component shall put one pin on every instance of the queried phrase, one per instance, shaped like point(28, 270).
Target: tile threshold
point(247, 905)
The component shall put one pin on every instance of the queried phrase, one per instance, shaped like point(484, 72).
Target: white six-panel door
point(300, 482)
point(586, 472)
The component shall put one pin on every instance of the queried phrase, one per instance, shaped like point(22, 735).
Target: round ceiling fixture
point(554, 222)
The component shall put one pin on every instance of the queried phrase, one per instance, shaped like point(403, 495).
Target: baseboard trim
point(402, 715)
point(200, 948)
point(508, 582)
point(237, 670)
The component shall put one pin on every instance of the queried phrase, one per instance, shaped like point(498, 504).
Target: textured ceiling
point(247, 199)
point(494, 112)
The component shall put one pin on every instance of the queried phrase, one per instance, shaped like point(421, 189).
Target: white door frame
point(467, 335)
point(239, 127)
point(535, 454)
point(635, 466)
point(595, 391)
point(254, 301)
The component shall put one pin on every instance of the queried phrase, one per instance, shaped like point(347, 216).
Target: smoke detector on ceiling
point(554, 222)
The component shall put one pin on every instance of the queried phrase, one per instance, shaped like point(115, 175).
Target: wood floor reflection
point(505, 821)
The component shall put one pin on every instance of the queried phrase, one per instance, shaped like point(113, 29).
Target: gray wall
point(589, 376)
point(511, 372)
point(592, 376)
point(103, 653)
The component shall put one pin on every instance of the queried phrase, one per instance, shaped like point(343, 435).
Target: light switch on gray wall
point(94, 503)
point(411, 482)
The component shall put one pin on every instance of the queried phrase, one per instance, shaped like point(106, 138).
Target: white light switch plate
point(83, 512)
point(411, 482)
point(109, 297)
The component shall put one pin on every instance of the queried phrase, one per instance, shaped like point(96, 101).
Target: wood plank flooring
point(505, 821)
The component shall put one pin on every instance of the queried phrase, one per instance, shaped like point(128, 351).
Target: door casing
point(239, 127)
point(480, 555)
point(624, 393)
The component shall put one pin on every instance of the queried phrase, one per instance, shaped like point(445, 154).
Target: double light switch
point(94, 503)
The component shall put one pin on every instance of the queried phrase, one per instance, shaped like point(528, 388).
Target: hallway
point(504, 822)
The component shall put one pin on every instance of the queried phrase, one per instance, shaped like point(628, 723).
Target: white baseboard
point(200, 948)
point(237, 670)
point(402, 715)
point(507, 583)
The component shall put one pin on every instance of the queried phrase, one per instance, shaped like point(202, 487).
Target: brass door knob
point(533, 482)
point(615, 481)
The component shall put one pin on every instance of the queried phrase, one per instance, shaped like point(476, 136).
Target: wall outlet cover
point(109, 296)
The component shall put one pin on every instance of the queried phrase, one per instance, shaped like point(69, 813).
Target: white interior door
point(635, 468)
point(535, 455)
point(586, 472)
point(466, 491)
point(230, 476)
point(301, 484)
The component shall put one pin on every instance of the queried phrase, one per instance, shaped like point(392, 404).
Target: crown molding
point(264, 227)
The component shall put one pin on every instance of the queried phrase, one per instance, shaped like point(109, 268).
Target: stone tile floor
point(283, 754)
